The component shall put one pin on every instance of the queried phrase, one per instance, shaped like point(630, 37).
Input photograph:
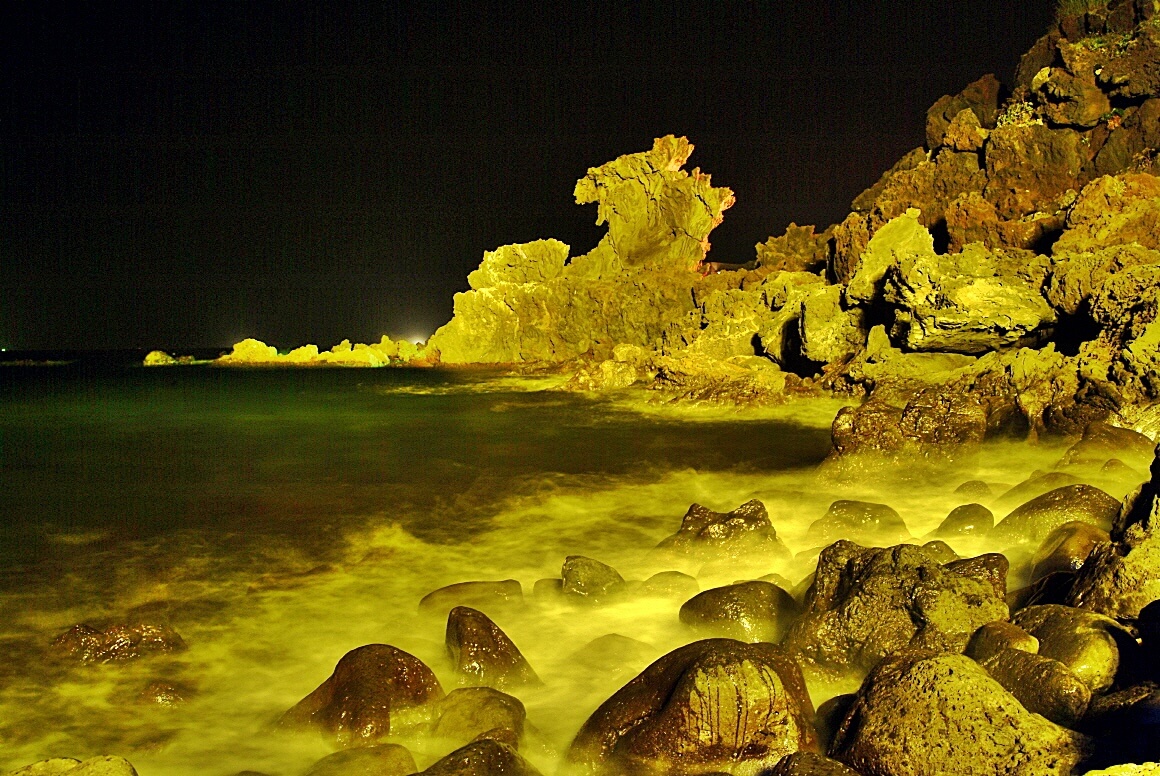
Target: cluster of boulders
point(958, 673)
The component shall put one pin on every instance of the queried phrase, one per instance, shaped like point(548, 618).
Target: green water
point(278, 519)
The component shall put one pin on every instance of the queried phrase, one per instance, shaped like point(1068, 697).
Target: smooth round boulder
point(994, 637)
point(469, 712)
point(476, 594)
point(1042, 685)
point(712, 704)
point(1036, 485)
point(1034, 520)
point(377, 760)
point(974, 489)
point(614, 655)
point(940, 551)
point(589, 578)
point(920, 713)
point(1086, 642)
point(485, 757)
point(965, 520)
point(355, 704)
point(746, 611)
point(863, 522)
point(482, 654)
point(1066, 548)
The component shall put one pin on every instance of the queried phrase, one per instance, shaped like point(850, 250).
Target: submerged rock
point(919, 713)
point(376, 760)
point(482, 653)
point(476, 594)
point(966, 520)
point(470, 712)
point(94, 766)
point(711, 705)
point(866, 603)
point(115, 643)
point(746, 611)
point(355, 704)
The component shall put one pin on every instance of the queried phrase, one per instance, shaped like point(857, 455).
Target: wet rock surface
point(743, 531)
point(866, 603)
point(858, 521)
point(1036, 519)
point(469, 712)
point(747, 611)
point(482, 653)
point(476, 594)
point(354, 705)
point(1044, 686)
point(377, 760)
point(919, 713)
point(115, 643)
point(712, 704)
point(1086, 642)
point(588, 578)
point(485, 757)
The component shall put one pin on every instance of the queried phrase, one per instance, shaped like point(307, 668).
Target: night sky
point(186, 174)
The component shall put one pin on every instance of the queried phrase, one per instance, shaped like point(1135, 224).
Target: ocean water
point(280, 518)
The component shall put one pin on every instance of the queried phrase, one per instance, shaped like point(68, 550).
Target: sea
point(278, 518)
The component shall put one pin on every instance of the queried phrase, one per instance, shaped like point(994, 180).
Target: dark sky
point(184, 174)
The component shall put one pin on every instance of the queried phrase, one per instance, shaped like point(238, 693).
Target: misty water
point(280, 518)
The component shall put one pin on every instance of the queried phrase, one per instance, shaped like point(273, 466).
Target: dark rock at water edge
point(746, 611)
point(86, 644)
point(482, 653)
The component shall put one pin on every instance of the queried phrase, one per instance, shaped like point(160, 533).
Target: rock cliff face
point(1002, 279)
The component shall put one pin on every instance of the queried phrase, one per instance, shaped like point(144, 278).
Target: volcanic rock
point(800, 249)
point(1029, 164)
point(589, 578)
point(1033, 521)
point(482, 654)
point(705, 533)
point(865, 603)
point(981, 98)
point(355, 704)
point(1102, 442)
point(919, 713)
point(1114, 210)
point(809, 764)
point(711, 705)
point(94, 766)
point(86, 644)
point(746, 611)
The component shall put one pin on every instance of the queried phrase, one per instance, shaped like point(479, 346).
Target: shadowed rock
point(355, 704)
point(1066, 548)
point(865, 603)
point(746, 611)
point(994, 637)
point(1042, 685)
point(482, 653)
point(920, 713)
point(1086, 642)
point(713, 704)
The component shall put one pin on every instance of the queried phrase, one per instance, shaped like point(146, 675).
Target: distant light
point(416, 338)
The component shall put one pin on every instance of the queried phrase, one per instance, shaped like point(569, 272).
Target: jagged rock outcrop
point(252, 352)
point(482, 654)
point(706, 534)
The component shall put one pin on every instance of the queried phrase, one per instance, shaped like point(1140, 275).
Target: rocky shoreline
point(1001, 282)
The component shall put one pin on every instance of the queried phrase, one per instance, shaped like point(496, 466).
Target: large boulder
point(1086, 642)
point(1029, 165)
point(1044, 686)
point(485, 757)
point(981, 98)
point(1033, 521)
point(587, 578)
point(482, 653)
point(716, 704)
point(744, 531)
point(858, 521)
point(919, 713)
point(829, 330)
point(896, 240)
point(866, 603)
point(1119, 578)
point(476, 594)
point(1066, 548)
point(355, 704)
point(1114, 210)
point(973, 302)
point(746, 611)
point(470, 712)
